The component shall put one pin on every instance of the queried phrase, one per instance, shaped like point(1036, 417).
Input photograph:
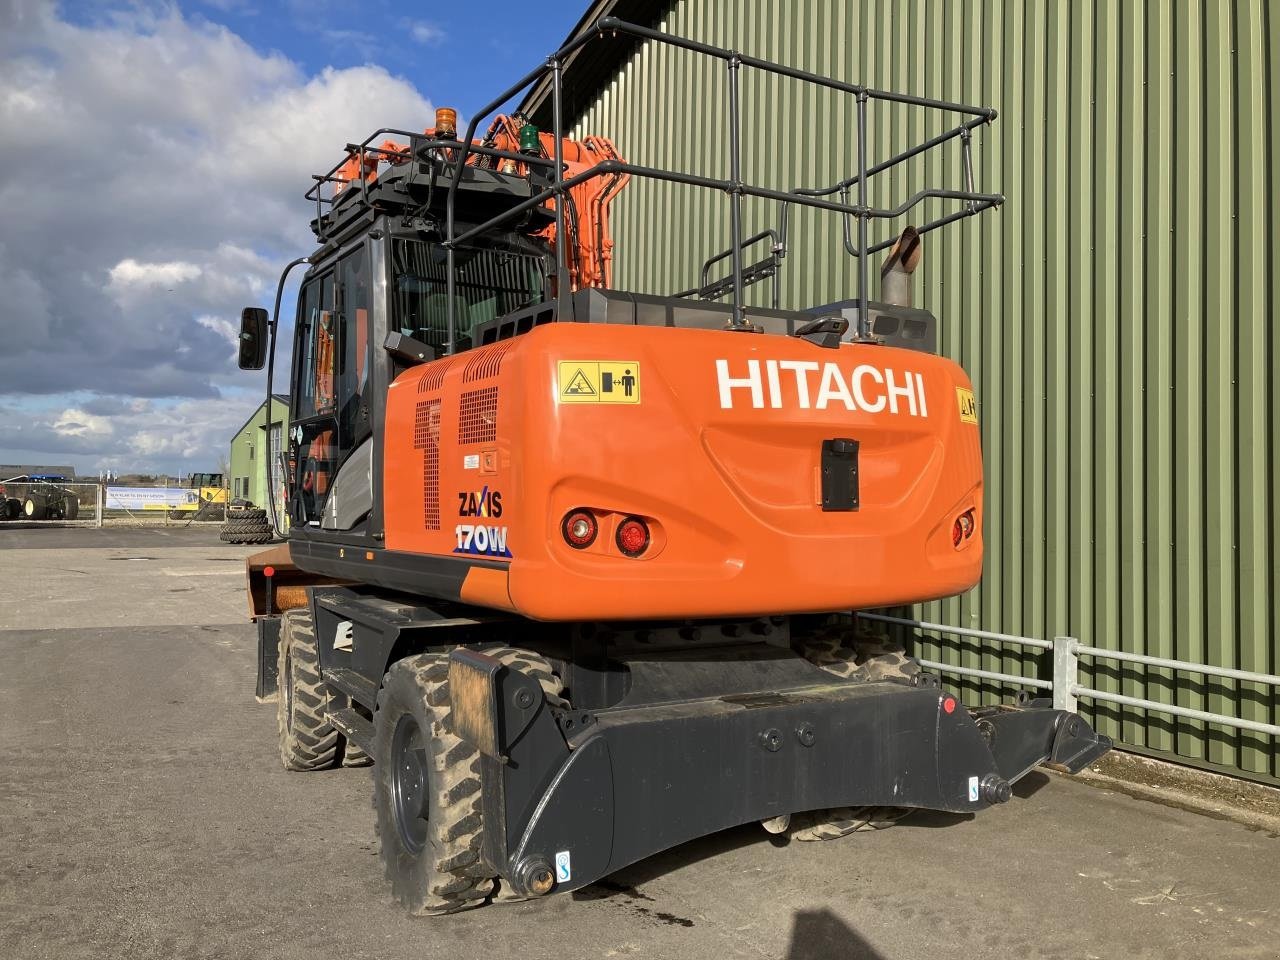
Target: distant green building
point(250, 453)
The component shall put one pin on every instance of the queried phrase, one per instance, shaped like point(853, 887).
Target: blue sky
point(205, 120)
point(456, 54)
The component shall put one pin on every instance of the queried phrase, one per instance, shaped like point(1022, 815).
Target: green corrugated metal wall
point(1117, 315)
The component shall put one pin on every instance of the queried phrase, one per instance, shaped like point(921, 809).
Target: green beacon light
point(529, 142)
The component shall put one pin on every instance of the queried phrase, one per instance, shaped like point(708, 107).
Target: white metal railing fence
point(79, 503)
point(1065, 685)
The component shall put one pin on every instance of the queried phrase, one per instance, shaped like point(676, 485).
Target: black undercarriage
point(661, 733)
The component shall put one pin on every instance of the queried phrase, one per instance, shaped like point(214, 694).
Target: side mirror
point(253, 338)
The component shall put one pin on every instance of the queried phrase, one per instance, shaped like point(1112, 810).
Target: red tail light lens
point(633, 536)
point(580, 528)
point(963, 528)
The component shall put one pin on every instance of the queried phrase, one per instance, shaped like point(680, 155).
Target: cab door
point(330, 414)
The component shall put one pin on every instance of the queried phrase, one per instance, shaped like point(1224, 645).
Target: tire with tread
point(858, 652)
point(238, 529)
point(307, 740)
point(353, 756)
point(842, 821)
point(536, 666)
point(245, 526)
point(865, 653)
point(435, 879)
point(446, 875)
point(264, 537)
point(33, 509)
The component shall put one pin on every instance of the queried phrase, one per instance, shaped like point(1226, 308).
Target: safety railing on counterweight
point(1065, 688)
point(971, 201)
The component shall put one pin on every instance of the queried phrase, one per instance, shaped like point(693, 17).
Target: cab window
point(490, 282)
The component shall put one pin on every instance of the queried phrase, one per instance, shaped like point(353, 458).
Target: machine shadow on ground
point(821, 935)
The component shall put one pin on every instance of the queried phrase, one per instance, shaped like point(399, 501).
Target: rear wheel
point(862, 651)
point(842, 821)
point(426, 793)
point(427, 790)
point(307, 740)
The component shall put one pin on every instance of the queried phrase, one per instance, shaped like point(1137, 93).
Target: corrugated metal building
point(1117, 316)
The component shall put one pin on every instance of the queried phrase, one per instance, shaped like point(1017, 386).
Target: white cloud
point(130, 273)
point(223, 328)
point(127, 435)
point(151, 173)
point(423, 32)
point(77, 423)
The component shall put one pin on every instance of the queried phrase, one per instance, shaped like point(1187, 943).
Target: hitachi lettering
point(809, 385)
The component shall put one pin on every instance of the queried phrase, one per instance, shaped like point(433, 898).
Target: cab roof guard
point(457, 152)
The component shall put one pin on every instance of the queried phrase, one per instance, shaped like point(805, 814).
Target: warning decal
point(579, 386)
point(968, 406)
point(598, 381)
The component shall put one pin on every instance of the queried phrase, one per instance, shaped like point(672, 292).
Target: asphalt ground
point(144, 813)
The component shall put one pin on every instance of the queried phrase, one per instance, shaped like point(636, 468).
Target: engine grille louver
point(434, 376)
point(426, 437)
point(484, 364)
point(478, 416)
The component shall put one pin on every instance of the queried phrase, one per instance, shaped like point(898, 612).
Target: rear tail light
point(963, 528)
point(633, 536)
point(579, 528)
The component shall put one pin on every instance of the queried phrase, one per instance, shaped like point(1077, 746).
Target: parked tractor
point(38, 497)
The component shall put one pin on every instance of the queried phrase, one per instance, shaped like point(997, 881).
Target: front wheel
point(307, 740)
point(33, 509)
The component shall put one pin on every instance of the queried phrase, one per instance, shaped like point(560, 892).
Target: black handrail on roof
point(459, 150)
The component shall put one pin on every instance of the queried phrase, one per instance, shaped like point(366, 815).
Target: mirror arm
point(273, 326)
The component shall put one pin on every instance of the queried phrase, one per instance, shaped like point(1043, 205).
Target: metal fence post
point(98, 518)
point(1065, 666)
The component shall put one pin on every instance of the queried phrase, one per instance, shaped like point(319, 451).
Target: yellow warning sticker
point(598, 381)
point(968, 405)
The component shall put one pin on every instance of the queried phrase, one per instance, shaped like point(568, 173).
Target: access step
point(355, 727)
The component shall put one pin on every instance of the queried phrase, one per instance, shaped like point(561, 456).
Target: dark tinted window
point(490, 283)
point(353, 357)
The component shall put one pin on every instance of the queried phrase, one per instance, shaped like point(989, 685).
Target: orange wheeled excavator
point(577, 568)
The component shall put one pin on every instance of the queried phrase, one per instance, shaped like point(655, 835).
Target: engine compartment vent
point(484, 364)
point(478, 416)
point(434, 376)
point(426, 437)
